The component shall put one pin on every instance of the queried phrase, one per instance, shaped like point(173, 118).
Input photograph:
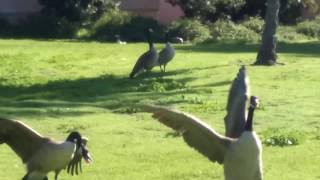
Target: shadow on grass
point(310, 48)
point(110, 92)
point(65, 97)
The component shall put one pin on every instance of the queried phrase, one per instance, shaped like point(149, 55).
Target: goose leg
point(56, 174)
point(164, 68)
point(161, 68)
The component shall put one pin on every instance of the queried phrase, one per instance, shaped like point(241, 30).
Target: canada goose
point(148, 59)
point(42, 155)
point(240, 154)
point(119, 41)
point(166, 54)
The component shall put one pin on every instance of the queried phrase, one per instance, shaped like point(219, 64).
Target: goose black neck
point(150, 44)
point(166, 38)
point(249, 122)
point(149, 40)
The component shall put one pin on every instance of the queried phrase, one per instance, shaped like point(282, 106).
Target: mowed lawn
point(60, 86)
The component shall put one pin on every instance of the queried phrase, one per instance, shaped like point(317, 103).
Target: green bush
point(110, 24)
point(129, 26)
point(289, 33)
point(4, 24)
point(190, 30)
point(254, 23)
point(310, 28)
point(134, 30)
point(228, 30)
point(41, 27)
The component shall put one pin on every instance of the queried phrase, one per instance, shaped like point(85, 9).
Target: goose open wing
point(21, 138)
point(235, 119)
point(196, 133)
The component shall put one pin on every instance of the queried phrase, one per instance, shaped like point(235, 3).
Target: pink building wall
point(159, 10)
point(19, 6)
point(14, 10)
point(168, 13)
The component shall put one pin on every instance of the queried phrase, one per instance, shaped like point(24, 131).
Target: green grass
point(59, 86)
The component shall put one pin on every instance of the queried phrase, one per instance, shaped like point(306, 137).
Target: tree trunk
point(267, 54)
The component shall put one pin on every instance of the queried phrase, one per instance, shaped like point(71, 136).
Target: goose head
point(81, 143)
point(254, 102)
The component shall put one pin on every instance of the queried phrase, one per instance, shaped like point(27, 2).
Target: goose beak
point(254, 102)
point(86, 155)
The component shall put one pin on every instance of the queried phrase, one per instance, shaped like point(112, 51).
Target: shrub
point(228, 30)
point(254, 23)
point(129, 26)
point(134, 30)
point(110, 24)
point(74, 10)
point(289, 33)
point(190, 30)
point(4, 24)
point(310, 27)
point(41, 27)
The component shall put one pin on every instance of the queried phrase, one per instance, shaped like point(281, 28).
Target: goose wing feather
point(195, 132)
point(235, 119)
point(22, 139)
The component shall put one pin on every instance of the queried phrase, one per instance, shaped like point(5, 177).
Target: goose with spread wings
point(240, 150)
point(42, 155)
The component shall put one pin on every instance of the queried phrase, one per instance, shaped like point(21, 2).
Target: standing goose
point(166, 54)
point(240, 151)
point(148, 59)
point(42, 155)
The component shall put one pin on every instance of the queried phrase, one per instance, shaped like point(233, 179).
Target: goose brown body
point(41, 154)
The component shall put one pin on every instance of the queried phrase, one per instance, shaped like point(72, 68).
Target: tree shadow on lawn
point(310, 48)
point(106, 91)
point(81, 96)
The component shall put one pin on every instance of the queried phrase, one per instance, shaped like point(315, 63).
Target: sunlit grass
point(60, 86)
